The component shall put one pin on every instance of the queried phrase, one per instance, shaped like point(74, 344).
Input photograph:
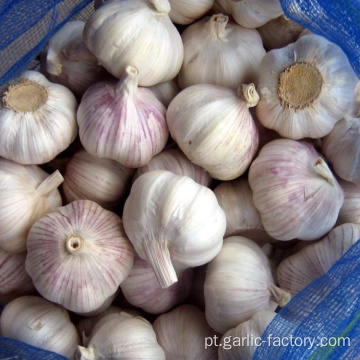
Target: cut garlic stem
point(322, 169)
point(53, 65)
point(74, 243)
point(280, 296)
point(83, 353)
point(129, 83)
point(158, 256)
point(162, 6)
point(51, 183)
point(218, 24)
point(248, 93)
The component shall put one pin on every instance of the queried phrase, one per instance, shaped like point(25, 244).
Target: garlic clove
point(78, 256)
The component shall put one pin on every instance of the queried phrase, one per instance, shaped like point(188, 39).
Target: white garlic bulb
point(166, 91)
point(220, 52)
point(350, 209)
point(122, 122)
point(214, 128)
point(142, 289)
point(279, 32)
point(136, 32)
point(356, 104)
point(305, 88)
point(185, 12)
point(294, 190)
point(68, 61)
point(341, 148)
point(121, 336)
point(104, 181)
point(78, 256)
point(14, 280)
point(172, 221)
point(40, 323)
point(181, 333)
point(174, 160)
point(239, 342)
point(299, 270)
point(242, 218)
point(37, 119)
point(26, 194)
point(238, 284)
point(250, 13)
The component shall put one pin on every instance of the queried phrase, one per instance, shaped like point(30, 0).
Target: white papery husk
point(181, 333)
point(26, 194)
point(121, 336)
point(315, 94)
point(78, 256)
point(296, 193)
point(138, 33)
point(39, 120)
point(220, 52)
point(238, 284)
point(299, 270)
point(40, 323)
point(185, 12)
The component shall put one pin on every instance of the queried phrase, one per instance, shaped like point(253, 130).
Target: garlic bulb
point(305, 88)
point(294, 190)
point(356, 104)
point(136, 32)
point(247, 332)
point(174, 160)
point(121, 336)
point(197, 288)
point(104, 181)
point(166, 91)
point(299, 270)
point(122, 122)
point(220, 52)
point(40, 323)
point(78, 256)
point(350, 209)
point(142, 289)
point(341, 148)
point(250, 13)
point(279, 32)
point(26, 194)
point(242, 218)
point(238, 284)
point(185, 12)
point(37, 119)
point(172, 221)
point(213, 127)
point(181, 333)
point(69, 62)
point(14, 280)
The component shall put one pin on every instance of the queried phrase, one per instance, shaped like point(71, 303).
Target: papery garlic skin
point(250, 13)
point(26, 194)
point(142, 289)
point(305, 88)
point(37, 119)
point(166, 91)
point(121, 336)
point(296, 193)
point(69, 62)
point(341, 147)
point(185, 12)
point(14, 280)
point(172, 221)
point(104, 181)
point(212, 125)
point(350, 209)
point(220, 52)
point(136, 32)
point(78, 256)
point(299, 270)
point(40, 323)
point(250, 329)
point(122, 122)
point(238, 284)
point(181, 333)
point(174, 160)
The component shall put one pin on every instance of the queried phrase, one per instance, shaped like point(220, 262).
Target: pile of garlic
point(204, 184)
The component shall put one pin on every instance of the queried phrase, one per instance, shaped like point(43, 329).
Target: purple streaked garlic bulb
point(78, 256)
point(122, 122)
point(295, 191)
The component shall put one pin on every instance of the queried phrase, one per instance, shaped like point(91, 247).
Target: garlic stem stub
point(172, 221)
point(78, 255)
